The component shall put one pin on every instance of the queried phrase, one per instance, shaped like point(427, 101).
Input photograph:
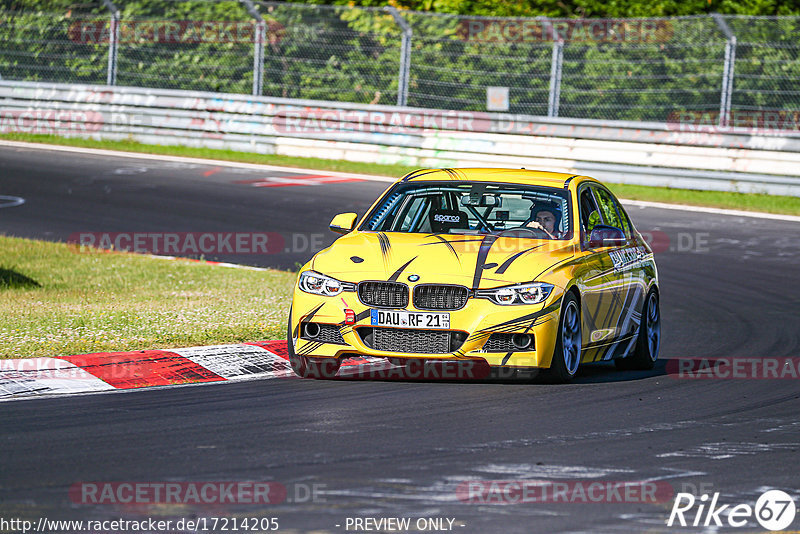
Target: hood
point(475, 261)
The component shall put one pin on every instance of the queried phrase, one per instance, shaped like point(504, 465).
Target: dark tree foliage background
point(519, 8)
point(588, 8)
point(340, 50)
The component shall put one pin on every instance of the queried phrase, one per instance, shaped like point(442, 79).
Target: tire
point(648, 340)
point(305, 367)
point(567, 354)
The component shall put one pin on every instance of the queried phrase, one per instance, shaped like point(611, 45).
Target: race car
point(523, 270)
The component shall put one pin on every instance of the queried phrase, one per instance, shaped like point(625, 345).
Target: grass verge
point(717, 199)
point(57, 300)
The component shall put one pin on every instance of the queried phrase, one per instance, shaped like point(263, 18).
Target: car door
point(627, 265)
point(600, 282)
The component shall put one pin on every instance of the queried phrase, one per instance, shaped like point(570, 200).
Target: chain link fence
point(331, 53)
point(708, 68)
point(204, 46)
point(39, 46)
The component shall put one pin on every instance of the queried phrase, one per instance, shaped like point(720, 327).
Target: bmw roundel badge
point(413, 277)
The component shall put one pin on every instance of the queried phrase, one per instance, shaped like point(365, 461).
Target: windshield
point(473, 208)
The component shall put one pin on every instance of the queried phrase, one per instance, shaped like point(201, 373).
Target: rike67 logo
point(774, 510)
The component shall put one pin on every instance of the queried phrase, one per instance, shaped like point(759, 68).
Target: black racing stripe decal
point(477, 336)
point(445, 242)
point(307, 317)
point(310, 347)
point(383, 240)
point(399, 271)
point(457, 241)
point(498, 280)
point(483, 252)
point(589, 316)
point(506, 264)
point(616, 306)
point(452, 173)
point(418, 173)
point(531, 316)
point(608, 350)
point(628, 312)
point(511, 328)
point(506, 357)
point(610, 309)
point(621, 304)
point(313, 312)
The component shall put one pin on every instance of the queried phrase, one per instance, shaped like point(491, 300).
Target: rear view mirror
point(606, 236)
point(483, 201)
point(343, 223)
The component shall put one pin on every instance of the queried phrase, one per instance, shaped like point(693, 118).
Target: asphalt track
point(400, 449)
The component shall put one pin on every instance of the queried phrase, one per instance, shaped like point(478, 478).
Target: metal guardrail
point(623, 152)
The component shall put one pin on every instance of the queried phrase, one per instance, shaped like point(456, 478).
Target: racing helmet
point(552, 207)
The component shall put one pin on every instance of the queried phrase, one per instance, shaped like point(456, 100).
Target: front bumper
point(479, 319)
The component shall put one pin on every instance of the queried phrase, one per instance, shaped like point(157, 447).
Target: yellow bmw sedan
point(523, 270)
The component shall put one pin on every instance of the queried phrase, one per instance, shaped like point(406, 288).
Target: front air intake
point(440, 297)
point(383, 294)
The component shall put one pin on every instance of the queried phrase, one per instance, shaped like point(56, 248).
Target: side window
point(609, 212)
point(612, 212)
point(627, 225)
point(590, 216)
point(413, 213)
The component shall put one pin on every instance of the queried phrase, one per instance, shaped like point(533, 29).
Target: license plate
point(407, 319)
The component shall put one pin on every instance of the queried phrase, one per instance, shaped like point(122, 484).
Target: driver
point(546, 217)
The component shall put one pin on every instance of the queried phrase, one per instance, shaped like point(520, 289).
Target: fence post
point(260, 37)
point(405, 56)
point(726, 99)
point(555, 78)
point(258, 58)
point(113, 43)
point(728, 69)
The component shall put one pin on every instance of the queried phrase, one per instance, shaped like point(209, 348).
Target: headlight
point(533, 293)
point(319, 284)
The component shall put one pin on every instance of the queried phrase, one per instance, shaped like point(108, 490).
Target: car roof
point(520, 176)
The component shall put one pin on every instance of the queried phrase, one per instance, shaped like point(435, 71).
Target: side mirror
point(606, 236)
point(343, 223)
